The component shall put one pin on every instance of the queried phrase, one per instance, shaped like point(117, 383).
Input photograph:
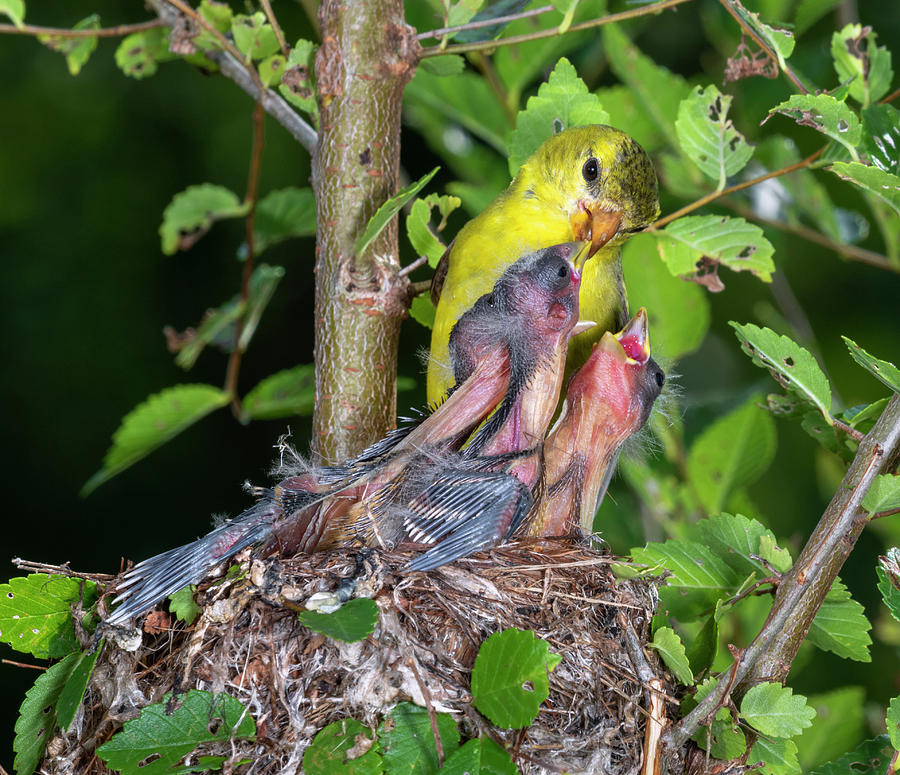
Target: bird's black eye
point(660, 379)
point(591, 170)
point(563, 271)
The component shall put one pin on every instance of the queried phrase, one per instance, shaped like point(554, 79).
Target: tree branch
point(103, 32)
point(481, 23)
point(803, 588)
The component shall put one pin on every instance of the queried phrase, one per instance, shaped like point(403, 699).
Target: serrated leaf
point(869, 758)
point(78, 50)
point(563, 101)
point(15, 10)
point(36, 616)
point(892, 721)
point(825, 114)
point(510, 677)
point(857, 59)
point(37, 714)
point(779, 756)
point(193, 211)
point(838, 724)
point(737, 539)
point(659, 91)
point(388, 210)
point(481, 756)
point(183, 605)
point(422, 310)
point(283, 214)
point(139, 54)
point(445, 66)
point(881, 136)
point(678, 312)
point(776, 556)
point(723, 738)
point(879, 183)
point(790, 365)
point(407, 740)
point(884, 371)
point(671, 649)
point(354, 620)
point(692, 245)
point(883, 494)
point(289, 392)
point(73, 690)
point(888, 572)
point(775, 710)
point(157, 740)
point(344, 747)
point(734, 451)
point(151, 424)
point(253, 35)
point(708, 136)
point(841, 625)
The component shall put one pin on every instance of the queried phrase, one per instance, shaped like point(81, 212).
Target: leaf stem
point(104, 32)
point(276, 28)
point(481, 23)
point(484, 45)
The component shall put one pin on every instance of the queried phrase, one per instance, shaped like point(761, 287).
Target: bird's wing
point(440, 274)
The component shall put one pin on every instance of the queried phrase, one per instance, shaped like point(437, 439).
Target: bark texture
point(368, 54)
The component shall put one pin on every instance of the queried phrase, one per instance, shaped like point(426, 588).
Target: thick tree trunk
point(368, 55)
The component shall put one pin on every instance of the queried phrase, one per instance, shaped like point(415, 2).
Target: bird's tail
point(152, 580)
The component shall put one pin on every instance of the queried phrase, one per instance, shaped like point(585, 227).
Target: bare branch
point(104, 32)
point(481, 23)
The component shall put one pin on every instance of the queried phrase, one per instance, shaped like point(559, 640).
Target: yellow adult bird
point(587, 183)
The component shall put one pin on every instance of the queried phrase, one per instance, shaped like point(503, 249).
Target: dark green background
point(87, 166)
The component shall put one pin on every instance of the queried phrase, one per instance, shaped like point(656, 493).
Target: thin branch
point(481, 23)
point(412, 266)
point(728, 5)
point(282, 43)
point(22, 664)
point(103, 32)
point(890, 98)
point(484, 45)
point(851, 432)
point(888, 513)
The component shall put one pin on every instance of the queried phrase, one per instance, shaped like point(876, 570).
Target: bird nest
point(248, 643)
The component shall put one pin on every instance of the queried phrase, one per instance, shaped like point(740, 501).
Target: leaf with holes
point(139, 54)
point(344, 747)
point(288, 392)
point(354, 620)
point(857, 59)
point(36, 616)
point(694, 246)
point(841, 626)
point(778, 757)
point(775, 710)
point(193, 211)
point(156, 741)
point(708, 136)
point(734, 451)
point(790, 365)
point(509, 679)
point(868, 758)
point(78, 50)
point(297, 81)
point(151, 424)
point(883, 185)
point(388, 210)
point(254, 36)
point(779, 39)
point(671, 649)
point(881, 136)
point(407, 739)
point(563, 101)
point(481, 756)
point(883, 494)
point(418, 227)
point(884, 371)
point(825, 114)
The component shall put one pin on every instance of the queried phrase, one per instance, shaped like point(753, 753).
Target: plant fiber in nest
point(248, 642)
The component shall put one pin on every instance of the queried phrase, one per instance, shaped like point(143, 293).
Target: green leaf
point(422, 311)
point(495, 9)
point(838, 724)
point(263, 282)
point(73, 691)
point(297, 82)
point(810, 11)
point(693, 245)
point(289, 392)
point(623, 103)
point(445, 66)
point(671, 649)
point(271, 69)
point(703, 650)
point(36, 616)
point(881, 136)
point(888, 572)
point(723, 738)
point(879, 183)
point(825, 114)
point(790, 365)
point(420, 235)
point(841, 626)
point(735, 450)
point(884, 371)
point(775, 710)
point(510, 677)
point(344, 747)
point(892, 721)
point(388, 210)
point(481, 756)
point(780, 40)
point(354, 620)
point(562, 102)
point(77, 51)
point(708, 136)
point(193, 211)
point(678, 312)
point(658, 90)
point(151, 424)
point(253, 35)
point(37, 715)
point(216, 13)
point(883, 494)
point(138, 55)
point(869, 758)
point(461, 11)
point(407, 739)
point(857, 57)
point(183, 605)
point(15, 10)
point(737, 539)
point(283, 214)
point(156, 741)
point(779, 756)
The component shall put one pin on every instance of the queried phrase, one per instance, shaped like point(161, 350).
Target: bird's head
point(600, 178)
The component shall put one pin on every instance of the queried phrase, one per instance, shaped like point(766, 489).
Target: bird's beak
point(597, 225)
point(632, 343)
point(582, 256)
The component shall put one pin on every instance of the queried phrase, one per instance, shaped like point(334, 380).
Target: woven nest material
point(248, 643)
